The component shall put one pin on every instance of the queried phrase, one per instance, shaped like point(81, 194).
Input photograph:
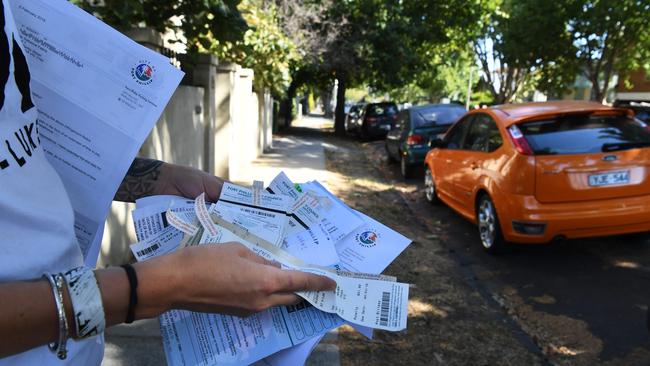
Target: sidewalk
point(302, 158)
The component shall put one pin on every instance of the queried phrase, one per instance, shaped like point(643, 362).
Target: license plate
point(385, 127)
point(608, 179)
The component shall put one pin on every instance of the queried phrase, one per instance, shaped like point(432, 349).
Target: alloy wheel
point(429, 188)
point(487, 223)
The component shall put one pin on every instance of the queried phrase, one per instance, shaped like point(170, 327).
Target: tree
point(609, 37)
point(244, 32)
point(595, 38)
point(201, 21)
point(503, 58)
point(330, 43)
point(265, 48)
point(379, 43)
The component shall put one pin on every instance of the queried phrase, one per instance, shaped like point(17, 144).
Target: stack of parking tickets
point(303, 227)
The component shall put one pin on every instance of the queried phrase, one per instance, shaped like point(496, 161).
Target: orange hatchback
point(535, 172)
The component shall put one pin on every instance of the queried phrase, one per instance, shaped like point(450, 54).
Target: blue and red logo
point(143, 73)
point(368, 238)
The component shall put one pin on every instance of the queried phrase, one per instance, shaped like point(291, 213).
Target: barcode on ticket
point(385, 306)
point(148, 250)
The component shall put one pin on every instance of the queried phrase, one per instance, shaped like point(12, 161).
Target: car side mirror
point(437, 144)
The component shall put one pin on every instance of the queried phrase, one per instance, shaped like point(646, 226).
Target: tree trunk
point(339, 113)
point(597, 93)
point(287, 105)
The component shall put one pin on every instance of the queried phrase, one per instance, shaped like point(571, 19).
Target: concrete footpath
point(302, 159)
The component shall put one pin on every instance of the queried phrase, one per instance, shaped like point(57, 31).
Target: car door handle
point(473, 165)
point(448, 161)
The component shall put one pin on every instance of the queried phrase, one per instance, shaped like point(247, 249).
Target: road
point(582, 301)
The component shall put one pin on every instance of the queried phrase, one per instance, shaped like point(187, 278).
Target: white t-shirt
point(37, 220)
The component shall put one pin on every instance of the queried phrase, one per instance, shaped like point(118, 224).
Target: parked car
point(535, 172)
point(351, 123)
point(376, 120)
point(408, 142)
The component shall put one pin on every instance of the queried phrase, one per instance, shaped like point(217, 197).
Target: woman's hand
point(223, 278)
point(188, 182)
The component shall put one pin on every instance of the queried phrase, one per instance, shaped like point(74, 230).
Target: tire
point(489, 228)
point(430, 193)
point(405, 168)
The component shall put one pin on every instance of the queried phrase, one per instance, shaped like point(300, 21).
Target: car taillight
point(519, 140)
point(415, 140)
point(371, 120)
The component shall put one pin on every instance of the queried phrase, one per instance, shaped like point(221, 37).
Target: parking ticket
point(368, 302)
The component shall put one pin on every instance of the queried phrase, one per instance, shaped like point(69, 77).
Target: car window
point(581, 134)
point(402, 120)
point(454, 138)
point(436, 116)
point(383, 109)
point(483, 135)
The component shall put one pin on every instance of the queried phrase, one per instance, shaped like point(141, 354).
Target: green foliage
point(609, 36)
point(245, 32)
point(201, 20)
point(597, 38)
point(356, 94)
point(264, 47)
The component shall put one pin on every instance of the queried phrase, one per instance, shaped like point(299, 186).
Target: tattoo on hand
point(140, 180)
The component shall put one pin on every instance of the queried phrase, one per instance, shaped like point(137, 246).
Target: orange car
point(535, 172)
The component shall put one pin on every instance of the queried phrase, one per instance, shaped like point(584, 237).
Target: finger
point(212, 187)
point(284, 299)
point(244, 252)
point(293, 281)
point(257, 259)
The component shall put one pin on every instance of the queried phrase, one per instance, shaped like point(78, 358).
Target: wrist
point(159, 285)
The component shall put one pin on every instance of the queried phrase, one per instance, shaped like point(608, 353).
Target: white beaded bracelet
point(59, 347)
point(86, 302)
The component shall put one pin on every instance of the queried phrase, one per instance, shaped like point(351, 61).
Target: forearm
point(141, 180)
point(28, 315)
point(147, 177)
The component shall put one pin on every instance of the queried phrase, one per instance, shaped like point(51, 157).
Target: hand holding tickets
point(302, 228)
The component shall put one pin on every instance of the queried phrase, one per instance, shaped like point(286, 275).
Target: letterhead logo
point(143, 73)
point(368, 239)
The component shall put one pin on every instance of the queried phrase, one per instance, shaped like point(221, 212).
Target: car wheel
point(405, 168)
point(430, 188)
point(489, 228)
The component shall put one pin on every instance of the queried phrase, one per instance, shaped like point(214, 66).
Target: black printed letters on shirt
point(21, 143)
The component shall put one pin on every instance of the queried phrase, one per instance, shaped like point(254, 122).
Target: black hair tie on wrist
point(133, 292)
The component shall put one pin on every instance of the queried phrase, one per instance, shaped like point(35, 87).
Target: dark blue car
point(408, 141)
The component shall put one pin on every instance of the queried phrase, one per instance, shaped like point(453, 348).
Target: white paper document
point(264, 214)
point(364, 299)
point(98, 94)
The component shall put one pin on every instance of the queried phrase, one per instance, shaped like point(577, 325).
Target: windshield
point(436, 116)
point(581, 134)
point(383, 109)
